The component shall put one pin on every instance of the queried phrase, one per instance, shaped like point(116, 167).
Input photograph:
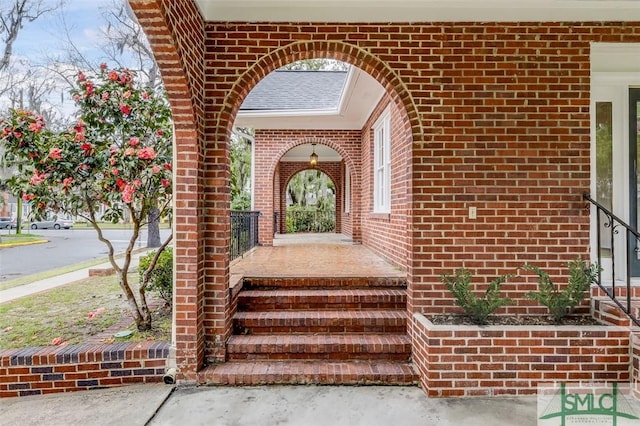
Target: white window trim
point(347, 190)
point(382, 163)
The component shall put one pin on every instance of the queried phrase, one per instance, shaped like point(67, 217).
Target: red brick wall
point(513, 360)
point(499, 114)
point(388, 234)
point(289, 169)
point(51, 369)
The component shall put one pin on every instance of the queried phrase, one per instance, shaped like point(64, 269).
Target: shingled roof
point(296, 90)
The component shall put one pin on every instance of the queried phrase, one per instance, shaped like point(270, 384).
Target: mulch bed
point(515, 320)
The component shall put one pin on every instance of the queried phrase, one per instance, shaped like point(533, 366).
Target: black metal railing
point(244, 232)
point(608, 227)
point(311, 221)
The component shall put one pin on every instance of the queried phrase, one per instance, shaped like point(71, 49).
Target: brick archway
point(271, 194)
point(333, 170)
point(176, 35)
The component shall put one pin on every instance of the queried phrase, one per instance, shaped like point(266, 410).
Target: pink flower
point(105, 96)
point(66, 182)
point(112, 76)
point(89, 88)
point(37, 178)
point(86, 147)
point(147, 153)
point(159, 132)
point(133, 141)
point(81, 76)
point(112, 161)
point(28, 197)
point(79, 137)
point(6, 131)
point(120, 184)
point(17, 134)
point(55, 153)
point(164, 182)
point(129, 151)
point(125, 109)
point(145, 95)
point(167, 166)
point(76, 97)
point(115, 171)
point(155, 169)
point(36, 126)
point(103, 66)
point(127, 94)
point(128, 192)
point(137, 183)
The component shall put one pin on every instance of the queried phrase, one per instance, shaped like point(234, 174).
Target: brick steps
point(396, 347)
point(309, 372)
point(606, 311)
point(254, 283)
point(368, 321)
point(350, 331)
point(270, 300)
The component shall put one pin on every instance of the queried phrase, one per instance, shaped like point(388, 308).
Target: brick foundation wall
point(42, 370)
point(512, 360)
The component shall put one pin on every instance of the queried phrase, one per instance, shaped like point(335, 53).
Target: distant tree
point(241, 140)
point(118, 154)
point(317, 65)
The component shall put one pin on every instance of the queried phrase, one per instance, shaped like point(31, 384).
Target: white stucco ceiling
point(360, 95)
point(418, 10)
point(301, 154)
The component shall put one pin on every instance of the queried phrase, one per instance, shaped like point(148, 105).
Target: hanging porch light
point(313, 158)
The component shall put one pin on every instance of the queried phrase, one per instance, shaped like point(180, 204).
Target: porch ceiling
point(418, 10)
point(355, 102)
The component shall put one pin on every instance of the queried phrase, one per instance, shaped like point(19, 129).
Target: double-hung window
point(382, 163)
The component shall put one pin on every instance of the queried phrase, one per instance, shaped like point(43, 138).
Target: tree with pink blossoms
point(118, 154)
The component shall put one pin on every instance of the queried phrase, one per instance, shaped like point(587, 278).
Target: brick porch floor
point(313, 255)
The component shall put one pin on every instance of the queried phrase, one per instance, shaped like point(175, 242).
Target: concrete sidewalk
point(60, 280)
point(263, 406)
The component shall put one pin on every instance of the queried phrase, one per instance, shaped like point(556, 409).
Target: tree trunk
point(153, 230)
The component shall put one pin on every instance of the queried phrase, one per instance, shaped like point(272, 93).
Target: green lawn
point(72, 313)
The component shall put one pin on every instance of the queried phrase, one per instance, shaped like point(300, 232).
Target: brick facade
point(495, 116)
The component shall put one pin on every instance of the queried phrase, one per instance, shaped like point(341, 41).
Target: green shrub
point(477, 308)
point(161, 278)
point(562, 302)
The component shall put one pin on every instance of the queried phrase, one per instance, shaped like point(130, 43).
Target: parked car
point(8, 223)
point(52, 223)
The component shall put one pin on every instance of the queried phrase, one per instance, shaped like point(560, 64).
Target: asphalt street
point(65, 247)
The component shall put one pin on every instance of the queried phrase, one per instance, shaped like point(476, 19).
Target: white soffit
point(418, 10)
point(301, 153)
point(359, 97)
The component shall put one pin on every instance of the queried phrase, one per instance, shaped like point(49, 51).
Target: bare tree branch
point(13, 15)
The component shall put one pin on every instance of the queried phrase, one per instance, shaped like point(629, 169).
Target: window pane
point(604, 168)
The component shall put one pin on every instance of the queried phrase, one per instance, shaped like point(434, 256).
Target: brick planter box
point(50, 369)
point(460, 360)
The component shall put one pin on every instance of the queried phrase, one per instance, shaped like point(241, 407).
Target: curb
point(25, 243)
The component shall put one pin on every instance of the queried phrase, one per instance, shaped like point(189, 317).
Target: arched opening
point(310, 198)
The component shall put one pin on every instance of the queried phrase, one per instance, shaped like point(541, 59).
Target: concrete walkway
point(59, 280)
point(263, 406)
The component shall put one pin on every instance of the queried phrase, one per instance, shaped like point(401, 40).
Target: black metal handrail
point(613, 223)
point(311, 220)
point(244, 232)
